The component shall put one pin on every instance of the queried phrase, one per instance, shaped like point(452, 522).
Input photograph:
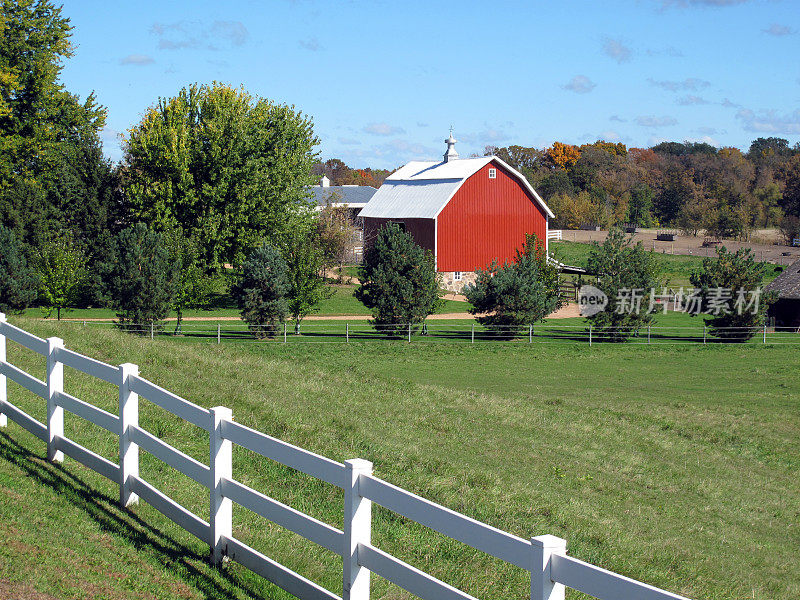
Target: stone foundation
point(451, 285)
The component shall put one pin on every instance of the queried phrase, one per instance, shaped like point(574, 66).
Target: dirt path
point(569, 311)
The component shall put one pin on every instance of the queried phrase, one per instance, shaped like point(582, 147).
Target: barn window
point(492, 173)
point(457, 276)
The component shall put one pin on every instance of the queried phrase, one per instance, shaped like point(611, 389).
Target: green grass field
point(341, 302)
point(675, 465)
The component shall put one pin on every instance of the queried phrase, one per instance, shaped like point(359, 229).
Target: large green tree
point(227, 167)
point(52, 172)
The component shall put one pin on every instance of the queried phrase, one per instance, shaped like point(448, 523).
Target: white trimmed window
point(457, 276)
point(492, 173)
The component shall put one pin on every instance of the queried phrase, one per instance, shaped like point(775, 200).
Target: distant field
point(677, 268)
point(341, 303)
point(676, 465)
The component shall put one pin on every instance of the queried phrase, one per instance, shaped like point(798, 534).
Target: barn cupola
point(451, 153)
point(325, 182)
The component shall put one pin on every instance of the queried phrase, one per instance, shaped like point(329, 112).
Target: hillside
point(645, 463)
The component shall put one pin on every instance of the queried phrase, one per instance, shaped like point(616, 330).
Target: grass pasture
point(676, 267)
point(675, 465)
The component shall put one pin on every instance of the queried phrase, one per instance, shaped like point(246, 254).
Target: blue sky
point(384, 81)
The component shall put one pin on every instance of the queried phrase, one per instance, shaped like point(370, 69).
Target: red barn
point(467, 212)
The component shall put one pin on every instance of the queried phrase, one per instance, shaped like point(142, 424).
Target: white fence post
point(357, 530)
point(765, 333)
point(221, 463)
point(409, 332)
point(347, 332)
point(530, 334)
point(473, 333)
point(3, 388)
point(128, 451)
point(219, 333)
point(648, 333)
point(590, 335)
point(55, 413)
point(704, 334)
point(542, 549)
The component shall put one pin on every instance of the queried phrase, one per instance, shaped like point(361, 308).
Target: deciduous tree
point(62, 269)
point(228, 168)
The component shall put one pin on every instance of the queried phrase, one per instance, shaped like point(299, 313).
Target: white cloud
point(183, 35)
point(311, 44)
point(580, 84)
point(139, 60)
point(348, 141)
point(690, 84)
point(651, 121)
point(777, 29)
point(617, 118)
point(615, 49)
point(706, 139)
point(609, 136)
point(383, 129)
point(691, 100)
point(770, 121)
point(712, 3)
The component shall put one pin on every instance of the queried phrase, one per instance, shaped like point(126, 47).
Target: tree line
point(688, 186)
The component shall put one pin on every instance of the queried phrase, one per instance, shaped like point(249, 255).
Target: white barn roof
point(420, 190)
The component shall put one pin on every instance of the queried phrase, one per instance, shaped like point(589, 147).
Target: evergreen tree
point(517, 294)
point(627, 273)
point(18, 281)
point(729, 288)
point(139, 276)
point(398, 282)
point(262, 291)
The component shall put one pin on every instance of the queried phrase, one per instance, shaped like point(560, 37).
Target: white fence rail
point(554, 234)
point(544, 556)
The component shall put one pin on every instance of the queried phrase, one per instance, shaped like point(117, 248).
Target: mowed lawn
point(674, 465)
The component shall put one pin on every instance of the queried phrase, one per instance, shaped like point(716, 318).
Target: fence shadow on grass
point(173, 555)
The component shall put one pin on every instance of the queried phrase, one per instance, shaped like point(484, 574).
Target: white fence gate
point(544, 556)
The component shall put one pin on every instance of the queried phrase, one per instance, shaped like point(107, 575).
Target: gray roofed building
point(787, 284)
point(785, 312)
point(355, 196)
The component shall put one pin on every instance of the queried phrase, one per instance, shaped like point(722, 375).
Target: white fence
point(554, 234)
point(544, 556)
